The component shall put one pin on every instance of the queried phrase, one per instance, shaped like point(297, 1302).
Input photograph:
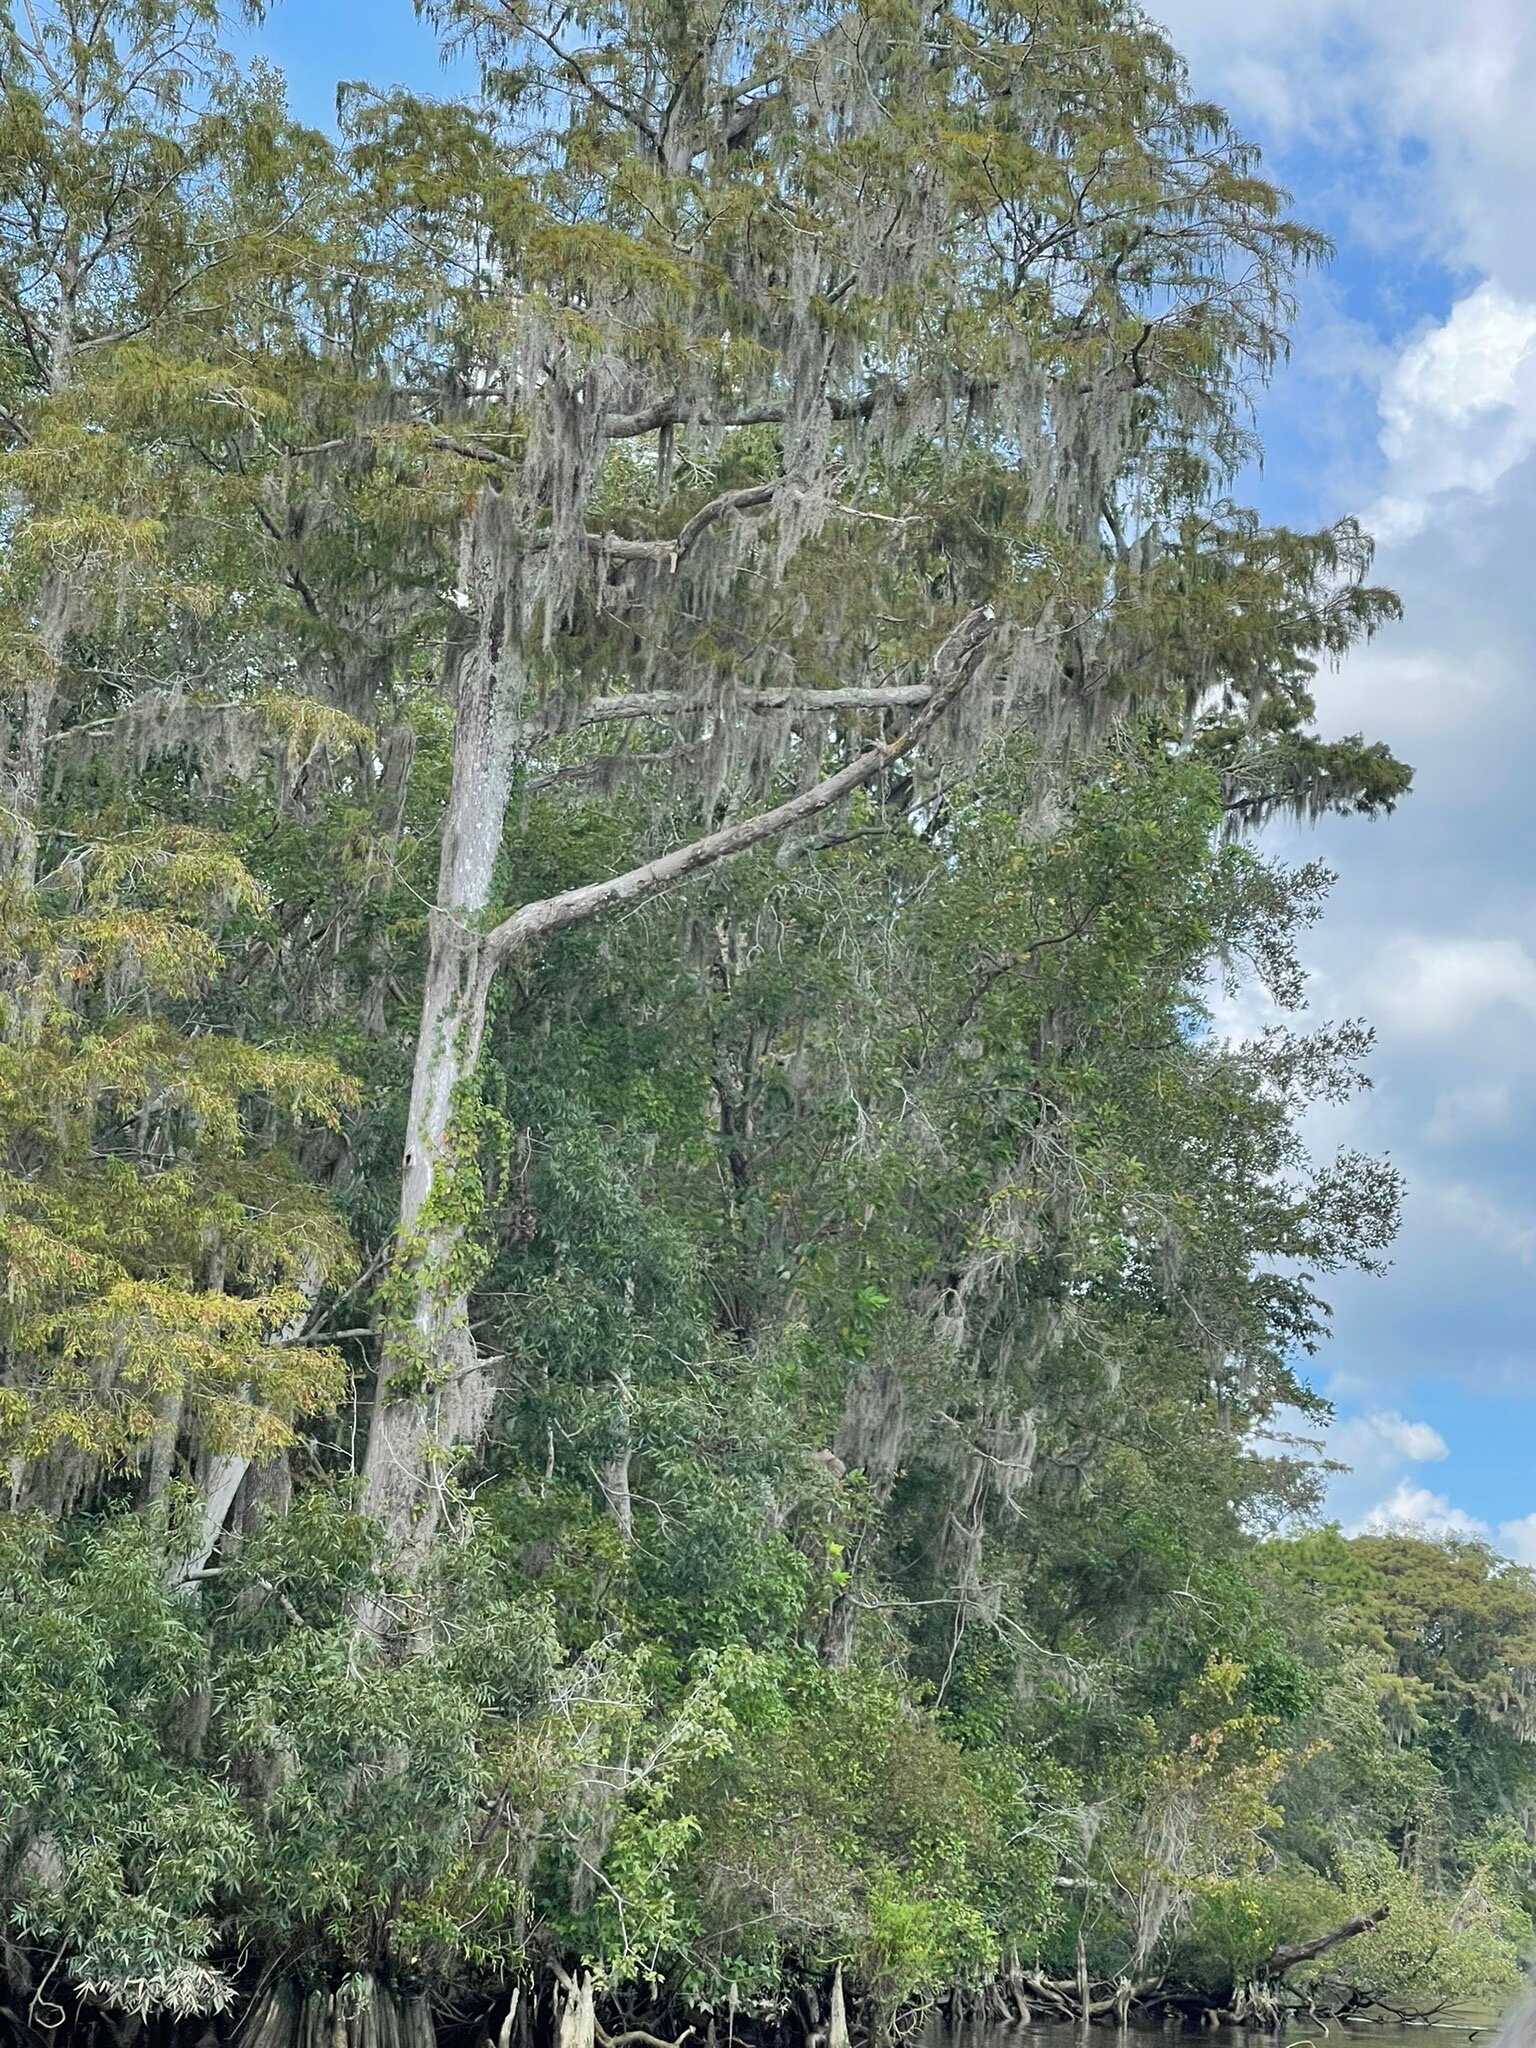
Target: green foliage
point(128, 1837)
point(879, 1272)
point(155, 1236)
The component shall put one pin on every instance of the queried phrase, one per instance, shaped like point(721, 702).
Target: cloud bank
point(1406, 132)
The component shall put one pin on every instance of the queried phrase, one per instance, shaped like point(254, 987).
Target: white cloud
point(1354, 75)
point(1411, 1506)
point(1420, 1442)
point(1376, 1446)
point(1437, 988)
point(1416, 695)
point(1242, 1012)
point(1376, 1496)
point(1407, 130)
point(1470, 1110)
point(1458, 409)
point(1469, 365)
point(1376, 1449)
point(1414, 1509)
point(1475, 1214)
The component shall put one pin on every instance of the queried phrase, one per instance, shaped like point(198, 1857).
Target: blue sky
point(1407, 130)
point(317, 43)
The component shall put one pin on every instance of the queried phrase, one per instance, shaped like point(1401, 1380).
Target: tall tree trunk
point(219, 1477)
point(26, 738)
point(371, 2014)
point(433, 1391)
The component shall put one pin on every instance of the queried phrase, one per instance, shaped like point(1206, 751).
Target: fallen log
point(1279, 1960)
point(637, 2037)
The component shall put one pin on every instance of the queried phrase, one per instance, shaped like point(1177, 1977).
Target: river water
point(1470, 2029)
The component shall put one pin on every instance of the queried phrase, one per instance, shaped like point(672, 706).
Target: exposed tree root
point(558, 2009)
point(367, 2013)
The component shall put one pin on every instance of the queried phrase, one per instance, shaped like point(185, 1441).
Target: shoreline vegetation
point(659, 1230)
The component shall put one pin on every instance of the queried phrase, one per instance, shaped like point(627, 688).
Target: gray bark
point(26, 740)
point(162, 1449)
point(576, 2026)
point(837, 2022)
point(219, 1478)
point(1279, 1960)
point(376, 2016)
point(433, 1392)
point(614, 1481)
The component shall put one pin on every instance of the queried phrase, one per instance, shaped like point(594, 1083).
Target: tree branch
point(638, 2038)
point(747, 499)
point(668, 703)
point(677, 412)
point(1279, 1960)
point(954, 666)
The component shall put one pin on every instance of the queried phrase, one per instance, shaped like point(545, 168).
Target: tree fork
point(433, 1392)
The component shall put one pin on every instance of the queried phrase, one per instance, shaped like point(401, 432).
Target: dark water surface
point(1470, 2028)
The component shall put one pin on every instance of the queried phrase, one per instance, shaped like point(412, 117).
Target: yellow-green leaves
point(159, 1254)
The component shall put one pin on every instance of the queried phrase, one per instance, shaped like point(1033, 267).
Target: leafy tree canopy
point(640, 1303)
